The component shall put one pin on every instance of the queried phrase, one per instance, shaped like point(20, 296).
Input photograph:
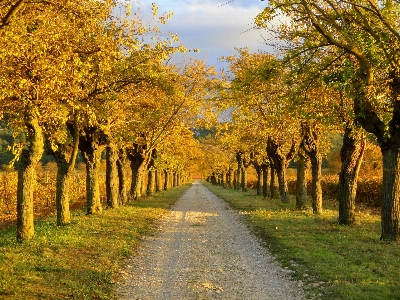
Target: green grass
point(337, 262)
point(78, 261)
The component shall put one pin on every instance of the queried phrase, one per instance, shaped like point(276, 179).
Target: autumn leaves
point(73, 76)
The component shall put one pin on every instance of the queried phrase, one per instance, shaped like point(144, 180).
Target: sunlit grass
point(78, 261)
point(338, 262)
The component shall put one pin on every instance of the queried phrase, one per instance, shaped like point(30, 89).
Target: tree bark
point(112, 178)
point(244, 179)
point(91, 144)
point(27, 176)
point(259, 172)
point(310, 145)
point(157, 175)
point(139, 157)
point(280, 163)
point(65, 157)
point(390, 214)
point(351, 156)
point(122, 184)
point(301, 182)
point(265, 181)
point(166, 180)
point(272, 182)
point(150, 182)
point(230, 181)
point(151, 174)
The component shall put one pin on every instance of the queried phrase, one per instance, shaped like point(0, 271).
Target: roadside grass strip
point(81, 260)
point(329, 260)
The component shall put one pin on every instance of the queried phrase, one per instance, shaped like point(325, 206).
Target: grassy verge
point(336, 262)
point(78, 261)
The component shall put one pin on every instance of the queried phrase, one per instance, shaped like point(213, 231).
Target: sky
point(213, 26)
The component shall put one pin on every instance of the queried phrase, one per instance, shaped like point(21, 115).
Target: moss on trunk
point(27, 176)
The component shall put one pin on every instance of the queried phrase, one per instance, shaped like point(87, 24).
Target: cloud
point(214, 27)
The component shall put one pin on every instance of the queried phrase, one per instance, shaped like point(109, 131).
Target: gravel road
point(204, 251)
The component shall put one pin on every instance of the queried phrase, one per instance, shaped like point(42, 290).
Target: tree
point(260, 98)
point(34, 68)
point(366, 32)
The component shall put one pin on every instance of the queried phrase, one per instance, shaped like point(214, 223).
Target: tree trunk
point(351, 156)
point(265, 180)
point(301, 182)
point(27, 177)
point(280, 163)
point(174, 179)
point(272, 183)
point(65, 157)
point(166, 181)
point(390, 214)
point(310, 145)
point(139, 157)
point(112, 178)
point(259, 172)
point(91, 143)
point(137, 179)
point(122, 184)
point(244, 179)
point(230, 178)
point(150, 183)
point(235, 180)
point(151, 180)
point(157, 175)
point(316, 189)
point(93, 199)
point(282, 183)
point(62, 193)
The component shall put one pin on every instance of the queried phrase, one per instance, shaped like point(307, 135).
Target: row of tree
point(76, 77)
point(336, 69)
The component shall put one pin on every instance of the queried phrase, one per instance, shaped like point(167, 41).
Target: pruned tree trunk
point(151, 174)
point(280, 163)
point(351, 156)
point(91, 143)
point(244, 179)
point(62, 193)
point(157, 175)
point(150, 182)
point(65, 157)
point(236, 180)
point(92, 160)
point(301, 182)
point(122, 180)
point(272, 182)
point(390, 213)
point(222, 180)
point(27, 176)
point(265, 181)
point(139, 156)
point(310, 145)
point(166, 180)
point(229, 178)
point(259, 172)
point(112, 178)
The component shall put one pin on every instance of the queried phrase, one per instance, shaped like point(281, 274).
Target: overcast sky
point(212, 26)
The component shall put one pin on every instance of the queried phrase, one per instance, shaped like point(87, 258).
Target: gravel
point(203, 251)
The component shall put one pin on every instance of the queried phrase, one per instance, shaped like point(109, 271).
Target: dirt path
point(203, 251)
